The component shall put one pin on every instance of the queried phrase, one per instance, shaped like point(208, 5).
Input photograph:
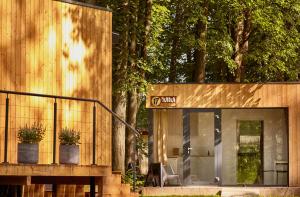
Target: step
point(113, 189)
point(240, 192)
point(125, 189)
point(132, 194)
point(113, 179)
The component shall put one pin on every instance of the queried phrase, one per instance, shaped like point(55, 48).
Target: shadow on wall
point(14, 32)
point(230, 95)
point(88, 36)
point(212, 95)
point(23, 47)
point(53, 48)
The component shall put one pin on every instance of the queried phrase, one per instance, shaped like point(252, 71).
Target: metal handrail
point(74, 99)
point(55, 97)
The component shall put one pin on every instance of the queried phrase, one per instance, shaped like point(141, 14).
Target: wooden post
point(70, 190)
point(60, 190)
point(39, 190)
point(99, 182)
point(79, 191)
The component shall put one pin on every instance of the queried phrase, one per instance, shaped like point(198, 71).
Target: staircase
point(113, 187)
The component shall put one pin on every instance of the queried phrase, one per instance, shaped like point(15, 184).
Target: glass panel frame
point(187, 144)
point(250, 145)
point(281, 164)
point(275, 135)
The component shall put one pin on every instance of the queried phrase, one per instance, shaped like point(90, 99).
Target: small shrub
point(69, 137)
point(31, 135)
point(128, 178)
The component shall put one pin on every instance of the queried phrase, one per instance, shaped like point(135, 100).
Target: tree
point(120, 93)
point(132, 106)
point(200, 53)
point(197, 41)
point(252, 41)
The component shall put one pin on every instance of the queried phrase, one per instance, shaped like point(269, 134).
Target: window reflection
point(250, 147)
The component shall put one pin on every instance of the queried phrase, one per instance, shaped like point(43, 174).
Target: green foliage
point(274, 41)
point(31, 135)
point(249, 165)
point(69, 136)
point(141, 146)
point(128, 178)
point(249, 154)
point(142, 116)
point(273, 52)
point(250, 127)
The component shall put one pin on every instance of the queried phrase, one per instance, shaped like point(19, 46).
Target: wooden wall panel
point(285, 95)
point(58, 48)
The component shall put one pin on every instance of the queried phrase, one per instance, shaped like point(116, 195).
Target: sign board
point(163, 101)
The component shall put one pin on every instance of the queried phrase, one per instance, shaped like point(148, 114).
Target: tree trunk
point(175, 46)
point(241, 39)
point(200, 53)
point(147, 28)
point(173, 66)
point(120, 93)
point(132, 109)
point(118, 158)
point(132, 106)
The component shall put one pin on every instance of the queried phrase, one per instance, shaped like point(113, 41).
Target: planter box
point(69, 154)
point(28, 153)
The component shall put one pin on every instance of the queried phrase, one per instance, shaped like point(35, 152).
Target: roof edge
point(228, 83)
point(85, 5)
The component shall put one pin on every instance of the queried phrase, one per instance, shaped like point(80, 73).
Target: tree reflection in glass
point(250, 143)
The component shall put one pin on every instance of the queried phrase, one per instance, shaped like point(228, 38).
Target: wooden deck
point(26, 174)
point(223, 191)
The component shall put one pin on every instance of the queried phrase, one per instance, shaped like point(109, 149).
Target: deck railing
point(55, 97)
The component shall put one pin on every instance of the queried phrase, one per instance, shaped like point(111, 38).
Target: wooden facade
point(57, 48)
point(270, 95)
point(61, 48)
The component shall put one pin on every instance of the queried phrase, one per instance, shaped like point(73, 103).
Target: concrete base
point(223, 191)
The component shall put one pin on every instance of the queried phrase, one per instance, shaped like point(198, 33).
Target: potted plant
point(69, 146)
point(28, 148)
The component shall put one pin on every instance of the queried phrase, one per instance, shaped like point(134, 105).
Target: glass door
point(202, 147)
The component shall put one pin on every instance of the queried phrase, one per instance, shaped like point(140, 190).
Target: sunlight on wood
point(48, 47)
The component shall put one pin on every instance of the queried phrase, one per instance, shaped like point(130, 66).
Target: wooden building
point(58, 48)
point(227, 134)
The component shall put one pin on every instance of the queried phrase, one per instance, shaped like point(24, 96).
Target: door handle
point(189, 149)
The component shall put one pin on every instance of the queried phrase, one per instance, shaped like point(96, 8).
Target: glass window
point(254, 147)
point(250, 147)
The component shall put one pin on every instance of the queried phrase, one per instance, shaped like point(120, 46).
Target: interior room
point(241, 147)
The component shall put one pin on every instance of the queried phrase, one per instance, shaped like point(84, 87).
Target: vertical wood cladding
point(242, 96)
point(51, 47)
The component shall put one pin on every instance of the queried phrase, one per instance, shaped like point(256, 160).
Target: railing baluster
point(94, 134)
point(92, 187)
point(54, 132)
point(134, 163)
point(6, 130)
point(55, 118)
